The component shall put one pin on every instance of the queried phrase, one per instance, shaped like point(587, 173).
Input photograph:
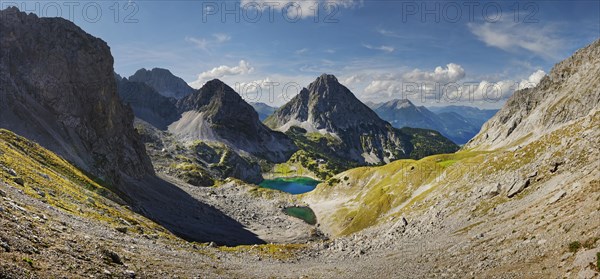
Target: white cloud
point(384, 86)
point(387, 49)
point(206, 44)
point(353, 79)
point(300, 8)
point(241, 69)
point(301, 51)
point(533, 80)
point(512, 36)
point(388, 33)
point(452, 73)
point(221, 37)
point(443, 85)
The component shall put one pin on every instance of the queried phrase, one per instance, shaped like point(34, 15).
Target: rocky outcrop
point(217, 113)
point(569, 92)
point(329, 108)
point(164, 82)
point(147, 104)
point(57, 88)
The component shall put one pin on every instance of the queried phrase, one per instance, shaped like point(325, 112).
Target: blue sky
point(379, 49)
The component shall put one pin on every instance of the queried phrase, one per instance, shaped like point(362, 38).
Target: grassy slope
point(45, 176)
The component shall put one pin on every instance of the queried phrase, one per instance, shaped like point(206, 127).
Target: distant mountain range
point(458, 123)
point(147, 103)
point(263, 110)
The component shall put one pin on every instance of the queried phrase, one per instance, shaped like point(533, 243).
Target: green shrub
point(28, 261)
point(574, 246)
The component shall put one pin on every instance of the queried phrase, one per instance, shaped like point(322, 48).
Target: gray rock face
point(164, 82)
point(328, 107)
point(57, 88)
point(147, 104)
point(517, 187)
point(217, 113)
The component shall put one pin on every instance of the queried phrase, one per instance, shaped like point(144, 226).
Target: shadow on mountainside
point(184, 215)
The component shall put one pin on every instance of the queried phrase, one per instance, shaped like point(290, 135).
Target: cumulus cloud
point(384, 48)
point(353, 79)
point(452, 73)
point(397, 83)
point(512, 36)
point(533, 79)
point(242, 68)
point(492, 92)
point(442, 85)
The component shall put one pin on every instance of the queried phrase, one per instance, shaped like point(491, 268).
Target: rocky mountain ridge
point(57, 88)
point(569, 92)
point(147, 104)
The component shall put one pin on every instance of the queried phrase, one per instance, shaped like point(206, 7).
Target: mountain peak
point(400, 103)
point(327, 78)
point(215, 112)
point(216, 82)
point(163, 81)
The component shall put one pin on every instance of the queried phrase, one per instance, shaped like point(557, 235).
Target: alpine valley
point(106, 176)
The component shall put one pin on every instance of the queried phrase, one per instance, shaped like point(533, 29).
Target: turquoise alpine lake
point(292, 185)
point(302, 212)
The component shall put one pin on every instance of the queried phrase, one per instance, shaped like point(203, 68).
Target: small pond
point(302, 212)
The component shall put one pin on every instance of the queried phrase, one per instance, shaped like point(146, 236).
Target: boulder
point(557, 197)
point(517, 187)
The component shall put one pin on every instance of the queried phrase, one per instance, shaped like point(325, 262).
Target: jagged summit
point(216, 97)
point(216, 112)
point(163, 81)
point(398, 104)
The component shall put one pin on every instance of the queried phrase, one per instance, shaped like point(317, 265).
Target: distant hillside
point(458, 123)
point(263, 110)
